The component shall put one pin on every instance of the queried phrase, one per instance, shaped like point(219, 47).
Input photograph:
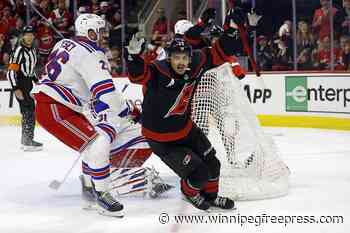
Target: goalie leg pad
point(138, 181)
point(130, 157)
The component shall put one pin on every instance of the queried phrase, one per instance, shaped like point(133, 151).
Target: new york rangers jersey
point(77, 72)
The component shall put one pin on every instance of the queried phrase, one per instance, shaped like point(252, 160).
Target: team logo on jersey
point(182, 101)
point(171, 83)
point(187, 159)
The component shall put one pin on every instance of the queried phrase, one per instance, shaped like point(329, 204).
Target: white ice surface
point(320, 185)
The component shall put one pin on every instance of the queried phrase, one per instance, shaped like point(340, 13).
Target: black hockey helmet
point(179, 45)
point(28, 29)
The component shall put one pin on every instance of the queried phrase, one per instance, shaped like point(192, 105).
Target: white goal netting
point(251, 167)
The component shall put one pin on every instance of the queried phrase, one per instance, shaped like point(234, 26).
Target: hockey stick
point(46, 20)
point(247, 49)
point(244, 38)
point(55, 184)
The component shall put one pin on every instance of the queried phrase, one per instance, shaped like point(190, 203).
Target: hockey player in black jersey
point(166, 123)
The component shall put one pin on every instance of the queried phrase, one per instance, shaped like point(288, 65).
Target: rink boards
point(316, 100)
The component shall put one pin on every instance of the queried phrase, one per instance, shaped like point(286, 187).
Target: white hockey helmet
point(86, 22)
point(182, 26)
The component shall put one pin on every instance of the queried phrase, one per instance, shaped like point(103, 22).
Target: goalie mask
point(86, 22)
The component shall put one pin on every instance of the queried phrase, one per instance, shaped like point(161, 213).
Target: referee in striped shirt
point(21, 74)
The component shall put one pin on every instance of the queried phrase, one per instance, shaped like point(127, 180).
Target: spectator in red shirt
point(321, 21)
point(344, 58)
point(323, 54)
point(161, 28)
point(5, 50)
point(61, 18)
point(5, 20)
point(161, 24)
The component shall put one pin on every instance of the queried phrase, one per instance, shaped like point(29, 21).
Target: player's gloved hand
point(238, 71)
point(99, 111)
point(208, 17)
point(253, 18)
point(136, 45)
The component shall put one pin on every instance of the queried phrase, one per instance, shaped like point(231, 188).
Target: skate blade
point(31, 148)
point(185, 200)
point(89, 206)
point(116, 214)
point(214, 209)
point(93, 206)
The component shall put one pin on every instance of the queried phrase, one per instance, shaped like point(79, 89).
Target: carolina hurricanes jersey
point(77, 72)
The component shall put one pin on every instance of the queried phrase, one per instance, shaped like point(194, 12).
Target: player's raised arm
point(192, 33)
point(139, 71)
point(226, 45)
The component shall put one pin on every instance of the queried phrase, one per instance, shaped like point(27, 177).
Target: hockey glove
point(208, 17)
point(238, 71)
point(253, 18)
point(136, 45)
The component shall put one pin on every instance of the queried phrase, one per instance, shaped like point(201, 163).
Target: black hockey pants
point(192, 158)
point(27, 108)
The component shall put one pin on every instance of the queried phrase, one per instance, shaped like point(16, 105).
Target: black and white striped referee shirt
point(22, 64)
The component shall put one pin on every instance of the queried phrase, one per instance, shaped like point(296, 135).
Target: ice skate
point(198, 201)
point(32, 146)
point(224, 203)
point(157, 185)
point(107, 205)
point(88, 196)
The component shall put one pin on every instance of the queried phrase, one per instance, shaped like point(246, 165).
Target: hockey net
point(251, 167)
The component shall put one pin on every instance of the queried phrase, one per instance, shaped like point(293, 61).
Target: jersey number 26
point(53, 66)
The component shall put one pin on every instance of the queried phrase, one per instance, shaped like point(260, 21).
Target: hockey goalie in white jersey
point(78, 73)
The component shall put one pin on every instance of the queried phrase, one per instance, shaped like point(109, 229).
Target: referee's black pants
point(27, 108)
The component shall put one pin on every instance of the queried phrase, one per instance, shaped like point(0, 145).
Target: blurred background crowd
point(294, 35)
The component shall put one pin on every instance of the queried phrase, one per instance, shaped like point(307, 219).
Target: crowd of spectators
point(273, 52)
point(54, 19)
point(276, 52)
point(313, 42)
